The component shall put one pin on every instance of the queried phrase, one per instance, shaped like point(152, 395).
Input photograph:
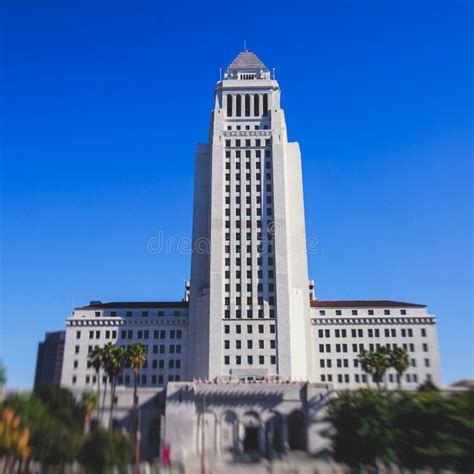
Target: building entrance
point(251, 440)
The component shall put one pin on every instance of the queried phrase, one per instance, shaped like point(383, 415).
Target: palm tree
point(95, 360)
point(400, 361)
point(381, 362)
point(107, 356)
point(136, 357)
point(89, 403)
point(375, 363)
point(114, 369)
point(365, 362)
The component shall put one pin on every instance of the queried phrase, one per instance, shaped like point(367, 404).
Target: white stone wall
point(338, 335)
point(212, 417)
point(164, 330)
point(248, 184)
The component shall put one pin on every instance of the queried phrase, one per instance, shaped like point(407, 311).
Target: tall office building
point(249, 309)
point(249, 302)
point(49, 360)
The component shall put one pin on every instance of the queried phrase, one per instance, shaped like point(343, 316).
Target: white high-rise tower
point(249, 301)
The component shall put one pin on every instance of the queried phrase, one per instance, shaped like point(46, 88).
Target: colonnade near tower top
point(246, 105)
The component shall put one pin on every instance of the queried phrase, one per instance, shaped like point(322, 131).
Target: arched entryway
point(296, 431)
point(229, 431)
point(274, 430)
point(251, 422)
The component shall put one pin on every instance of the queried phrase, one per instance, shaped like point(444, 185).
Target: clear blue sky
point(105, 101)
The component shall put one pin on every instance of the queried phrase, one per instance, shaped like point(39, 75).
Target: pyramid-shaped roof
point(246, 60)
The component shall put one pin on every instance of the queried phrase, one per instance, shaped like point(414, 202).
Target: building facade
point(248, 210)
point(49, 359)
point(249, 310)
point(249, 355)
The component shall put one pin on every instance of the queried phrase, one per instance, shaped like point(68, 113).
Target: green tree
point(435, 430)
point(375, 363)
point(361, 431)
point(89, 403)
point(95, 360)
point(136, 357)
point(62, 405)
point(400, 361)
point(3, 376)
point(104, 450)
point(54, 420)
point(107, 357)
point(113, 367)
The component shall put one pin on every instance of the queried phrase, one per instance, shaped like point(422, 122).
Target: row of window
point(241, 105)
point(248, 188)
point(156, 348)
point(247, 127)
point(129, 334)
point(362, 378)
point(249, 313)
point(250, 360)
point(238, 328)
point(392, 332)
point(355, 312)
point(127, 379)
point(371, 347)
point(238, 344)
point(144, 314)
point(155, 363)
point(238, 143)
point(157, 334)
point(327, 363)
point(249, 273)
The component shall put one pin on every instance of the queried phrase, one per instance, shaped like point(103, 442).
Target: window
point(97, 314)
point(322, 312)
point(76, 351)
point(238, 106)
point(261, 359)
point(272, 360)
point(370, 312)
point(229, 106)
point(338, 312)
point(256, 105)
point(386, 312)
point(78, 334)
point(76, 363)
point(238, 360)
point(145, 313)
point(265, 104)
point(129, 314)
point(227, 329)
point(423, 332)
point(403, 311)
point(425, 347)
point(227, 360)
point(354, 312)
